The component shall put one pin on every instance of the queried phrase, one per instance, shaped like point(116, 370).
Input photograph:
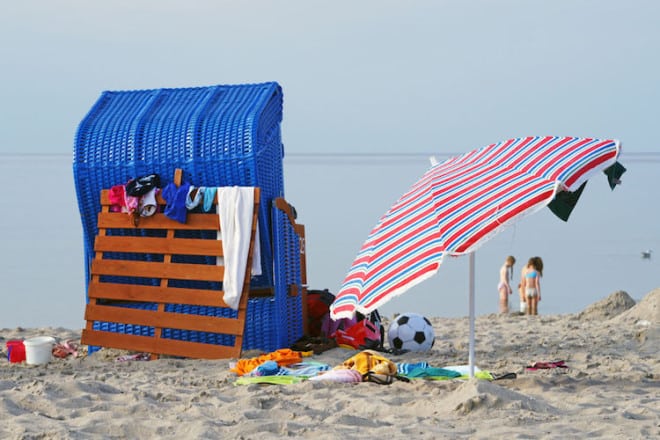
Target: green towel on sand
point(421, 372)
point(273, 380)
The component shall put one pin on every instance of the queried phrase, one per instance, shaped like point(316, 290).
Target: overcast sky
point(373, 77)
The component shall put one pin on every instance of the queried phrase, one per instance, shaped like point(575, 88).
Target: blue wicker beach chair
point(218, 136)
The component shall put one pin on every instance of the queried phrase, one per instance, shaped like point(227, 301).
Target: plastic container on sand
point(39, 350)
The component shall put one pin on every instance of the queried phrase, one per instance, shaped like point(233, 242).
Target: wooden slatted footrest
point(156, 287)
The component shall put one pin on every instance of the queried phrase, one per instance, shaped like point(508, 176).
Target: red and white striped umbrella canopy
point(458, 205)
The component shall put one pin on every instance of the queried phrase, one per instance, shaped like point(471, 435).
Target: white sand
point(611, 390)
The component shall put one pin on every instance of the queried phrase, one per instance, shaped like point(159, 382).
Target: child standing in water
point(521, 291)
point(504, 286)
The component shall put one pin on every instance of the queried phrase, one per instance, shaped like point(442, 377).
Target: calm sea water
point(594, 254)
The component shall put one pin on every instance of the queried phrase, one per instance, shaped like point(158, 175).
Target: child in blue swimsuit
point(532, 284)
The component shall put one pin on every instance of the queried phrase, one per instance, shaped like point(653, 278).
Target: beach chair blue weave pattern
point(221, 135)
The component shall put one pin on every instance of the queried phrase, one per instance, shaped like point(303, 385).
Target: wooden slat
point(294, 289)
point(305, 312)
point(148, 344)
point(210, 222)
point(162, 294)
point(285, 207)
point(261, 292)
point(146, 269)
point(153, 245)
point(281, 204)
point(151, 318)
point(97, 256)
point(300, 231)
point(170, 295)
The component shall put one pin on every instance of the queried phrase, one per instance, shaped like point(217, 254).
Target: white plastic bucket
point(39, 350)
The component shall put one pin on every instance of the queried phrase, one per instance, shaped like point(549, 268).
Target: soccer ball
point(411, 332)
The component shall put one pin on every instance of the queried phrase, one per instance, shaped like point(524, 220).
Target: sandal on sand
point(382, 379)
point(506, 376)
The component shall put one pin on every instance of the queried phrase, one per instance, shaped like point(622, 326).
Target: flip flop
point(382, 379)
point(506, 376)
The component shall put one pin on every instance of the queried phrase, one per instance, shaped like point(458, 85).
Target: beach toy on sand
point(15, 350)
point(39, 350)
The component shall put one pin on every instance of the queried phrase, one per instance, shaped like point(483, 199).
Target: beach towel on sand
point(270, 380)
point(341, 376)
point(373, 367)
point(369, 361)
point(283, 357)
point(546, 365)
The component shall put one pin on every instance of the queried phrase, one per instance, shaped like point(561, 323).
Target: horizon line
point(630, 156)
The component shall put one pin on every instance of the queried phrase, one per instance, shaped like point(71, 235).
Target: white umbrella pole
point(471, 355)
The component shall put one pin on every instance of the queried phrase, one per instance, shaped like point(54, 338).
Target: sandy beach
point(611, 388)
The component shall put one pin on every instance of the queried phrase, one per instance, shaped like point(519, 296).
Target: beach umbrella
point(459, 204)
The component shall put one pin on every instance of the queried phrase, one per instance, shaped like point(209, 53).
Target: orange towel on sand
point(283, 357)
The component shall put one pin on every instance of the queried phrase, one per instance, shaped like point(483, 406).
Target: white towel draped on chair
point(235, 209)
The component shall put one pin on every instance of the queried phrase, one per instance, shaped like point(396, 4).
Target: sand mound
point(479, 396)
point(646, 310)
point(608, 308)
